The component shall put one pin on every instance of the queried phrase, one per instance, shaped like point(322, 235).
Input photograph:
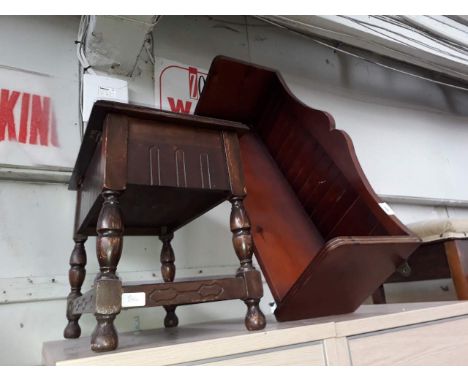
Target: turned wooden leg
point(76, 276)
point(378, 297)
point(457, 257)
point(168, 274)
point(243, 245)
point(109, 249)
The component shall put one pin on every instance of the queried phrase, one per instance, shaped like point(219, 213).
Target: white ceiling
point(438, 43)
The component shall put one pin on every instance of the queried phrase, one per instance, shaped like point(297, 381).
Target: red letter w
point(180, 107)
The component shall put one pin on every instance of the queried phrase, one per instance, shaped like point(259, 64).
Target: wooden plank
point(336, 351)
point(234, 165)
point(457, 257)
point(169, 350)
point(191, 292)
point(56, 286)
point(199, 342)
point(426, 312)
point(434, 343)
point(428, 262)
point(173, 155)
point(114, 151)
point(308, 355)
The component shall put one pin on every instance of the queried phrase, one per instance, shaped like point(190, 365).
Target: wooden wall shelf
point(324, 240)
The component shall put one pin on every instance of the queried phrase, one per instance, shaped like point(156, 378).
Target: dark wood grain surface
point(141, 171)
point(102, 108)
point(442, 259)
point(306, 192)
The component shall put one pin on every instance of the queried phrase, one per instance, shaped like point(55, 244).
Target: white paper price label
point(130, 300)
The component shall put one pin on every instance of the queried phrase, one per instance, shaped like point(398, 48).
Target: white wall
point(401, 137)
point(35, 59)
point(36, 224)
point(410, 135)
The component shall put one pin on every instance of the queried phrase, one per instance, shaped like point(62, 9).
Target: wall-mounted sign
point(36, 123)
point(38, 120)
point(178, 86)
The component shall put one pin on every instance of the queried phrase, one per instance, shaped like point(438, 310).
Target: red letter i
point(24, 118)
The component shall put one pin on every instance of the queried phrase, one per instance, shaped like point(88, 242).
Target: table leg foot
point(72, 330)
point(104, 337)
point(171, 320)
point(254, 319)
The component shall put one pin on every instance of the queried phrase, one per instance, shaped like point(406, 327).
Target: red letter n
point(180, 107)
point(39, 120)
point(7, 119)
